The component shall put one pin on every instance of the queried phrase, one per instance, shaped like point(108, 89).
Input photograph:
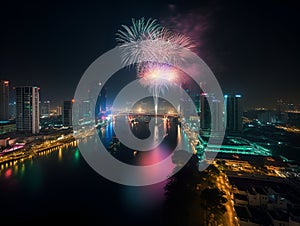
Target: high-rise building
point(4, 99)
point(45, 108)
point(194, 94)
point(217, 116)
point(205, 116)
point(280, 106)
point(59, 110)
point(86, 109)
point(12, 110)
point(67, 112)
point(27, 105)
point(93, 99)
point(211, 117)
point(281, 115)
point(233, 113)
point(102, 100)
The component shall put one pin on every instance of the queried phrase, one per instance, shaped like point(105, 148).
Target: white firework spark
point(131, 38)
point(139, 31)
point(147, 44)
point(161, 44)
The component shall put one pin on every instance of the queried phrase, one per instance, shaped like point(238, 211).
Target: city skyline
point(251, 50)
point(289, 106)
point(194, 119)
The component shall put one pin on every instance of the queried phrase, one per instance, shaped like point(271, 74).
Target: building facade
point(67, 113)
point(27, 109)
point(4, 99)
point(45, 108)
point(211, 116)
point(205, 114)
point(233, 113)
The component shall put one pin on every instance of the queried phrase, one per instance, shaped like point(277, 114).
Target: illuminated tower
point(233, 113)
point(28, 112)
point(4, 98)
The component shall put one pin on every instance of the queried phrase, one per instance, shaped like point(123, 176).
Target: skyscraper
point(103, 100)
point(211, 117)
point(27, 104)
point(86, 109)
point(12, 110)
point(4, 99)
point(45, 108)
point(217, 116)
point(194, 94)
point(67, 112)
point(205, 116)
point(233, 113)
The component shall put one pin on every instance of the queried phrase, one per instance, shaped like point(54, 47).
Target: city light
point(252, 177)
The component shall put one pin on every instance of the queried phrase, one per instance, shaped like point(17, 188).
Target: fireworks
point(147, 44)
point(130, 40)
point(161, 44)
point(139, 31)
point(158, 76)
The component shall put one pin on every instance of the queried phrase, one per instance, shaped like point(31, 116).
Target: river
point(58, 186)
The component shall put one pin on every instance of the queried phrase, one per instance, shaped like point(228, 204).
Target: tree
point(180, 194)
point(213, 169)
point(213, 200)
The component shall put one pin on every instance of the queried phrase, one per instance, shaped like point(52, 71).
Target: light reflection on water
point(17, 167)
point(58, 180)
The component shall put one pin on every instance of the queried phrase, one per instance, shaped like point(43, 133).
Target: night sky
point(251, 46)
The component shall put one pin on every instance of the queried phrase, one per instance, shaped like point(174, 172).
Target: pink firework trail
point(157, 77)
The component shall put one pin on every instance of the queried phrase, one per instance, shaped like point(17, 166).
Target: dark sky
point(251, 46)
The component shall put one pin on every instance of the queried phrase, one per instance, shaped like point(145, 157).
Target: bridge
point(147, 114)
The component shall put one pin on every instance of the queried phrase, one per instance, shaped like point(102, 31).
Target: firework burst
point(158, 76)
point(147, 41)
point(131, 38)
point(146, 44)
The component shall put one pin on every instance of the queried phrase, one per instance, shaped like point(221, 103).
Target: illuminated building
point(233, 113)
point(67, 112)
point(28, 112)
point(4, 98)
